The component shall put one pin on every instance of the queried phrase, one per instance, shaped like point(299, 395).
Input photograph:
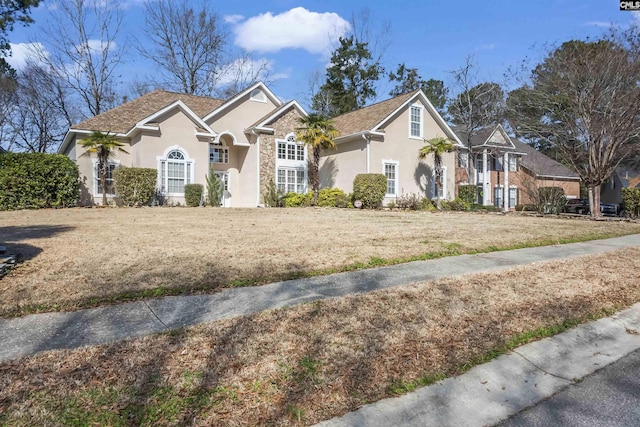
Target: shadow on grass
point(12, 236)
point(174, 379)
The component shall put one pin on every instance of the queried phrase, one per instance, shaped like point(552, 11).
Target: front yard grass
point(311, 362)
point(77, 258)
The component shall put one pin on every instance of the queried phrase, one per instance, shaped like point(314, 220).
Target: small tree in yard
point(437, 146)
point(317, 132)
point(104, 145)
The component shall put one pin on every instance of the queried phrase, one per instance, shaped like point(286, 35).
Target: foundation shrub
point(135, 186)
point(193, 194)
point(370, 189)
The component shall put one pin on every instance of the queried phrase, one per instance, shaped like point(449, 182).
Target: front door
point(223, 176)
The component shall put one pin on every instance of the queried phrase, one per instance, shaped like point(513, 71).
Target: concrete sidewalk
point(40, 332)
point(494, 391)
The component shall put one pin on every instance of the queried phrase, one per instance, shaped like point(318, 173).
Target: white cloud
point(244, 69)
point(233, 19)
point(297, 28)
point(22, 53)
point(98, 46)
point(487, 46)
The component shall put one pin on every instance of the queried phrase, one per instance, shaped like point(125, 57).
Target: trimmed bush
point(370, 189)
point(37, 180)
point(631, 202)
point(467, 193)
point(295, 200)
point(135, 186)
point(333, 198)
point(426, 205)
point(193, 194)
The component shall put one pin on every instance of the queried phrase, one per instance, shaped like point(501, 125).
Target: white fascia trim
point(573, 178)
point(247, 91)
point(71, 132)
point(500, 129)
point(432, 111)
point(358, 135)
point(142, 124)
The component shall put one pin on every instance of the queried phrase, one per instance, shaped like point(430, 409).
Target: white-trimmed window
point(292, 180)
point(218, 154)
point(497, 162)
point(415, 121)
point(440, 193)
point(176, 170)
point(513, 163)
point(513, 197)
point(497, 196)
point(390, 170)
point(289, 149)
point(291, 165)
point(97, 187)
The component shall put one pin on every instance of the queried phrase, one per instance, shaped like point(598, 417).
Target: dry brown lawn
point(314, 361)
point(74, 255)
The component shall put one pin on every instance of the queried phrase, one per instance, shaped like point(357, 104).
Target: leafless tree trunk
point(40, 117)
point(85, 54)
point(187, 43)
point(477, 105)
point(8, 89)
point(584, 99)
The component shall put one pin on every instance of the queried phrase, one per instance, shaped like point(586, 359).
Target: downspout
point(368, 149)
point(506, 180)
point(257, 167)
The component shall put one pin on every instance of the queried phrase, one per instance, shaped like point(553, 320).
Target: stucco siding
point(339, 167)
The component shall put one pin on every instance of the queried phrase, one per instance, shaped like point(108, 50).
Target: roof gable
point(122, 119)
point(499, 139)
point(234, 100)
point(264, 123)
point(374, 117)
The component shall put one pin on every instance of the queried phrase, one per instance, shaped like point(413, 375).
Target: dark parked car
point(581, 207)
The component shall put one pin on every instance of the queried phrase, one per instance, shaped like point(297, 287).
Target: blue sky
point(432, 35)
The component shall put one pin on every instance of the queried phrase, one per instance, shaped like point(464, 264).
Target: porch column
point(486, 185)
point(505, 168)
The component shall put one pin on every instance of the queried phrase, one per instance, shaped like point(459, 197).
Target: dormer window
point(415, 121)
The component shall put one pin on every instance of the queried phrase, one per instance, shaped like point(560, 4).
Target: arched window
point(175, 172)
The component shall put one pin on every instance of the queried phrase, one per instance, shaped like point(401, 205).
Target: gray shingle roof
point(535, 161)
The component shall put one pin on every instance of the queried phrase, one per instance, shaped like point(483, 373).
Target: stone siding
point(286, 124)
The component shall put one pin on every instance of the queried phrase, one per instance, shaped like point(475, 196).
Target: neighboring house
point(247, 140)
point(386, 138)
point(623, 177)
point(508, 172)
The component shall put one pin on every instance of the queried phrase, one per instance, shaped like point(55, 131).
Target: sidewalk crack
point(155, 315)
point(571, 380)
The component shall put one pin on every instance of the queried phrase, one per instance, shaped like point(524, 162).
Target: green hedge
point(370, 189)
point(333, 198)
point(37, 180)
point(135, 186)
point(295, 200)
point(467, 193)
point(631, 201)
point(193, 194)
